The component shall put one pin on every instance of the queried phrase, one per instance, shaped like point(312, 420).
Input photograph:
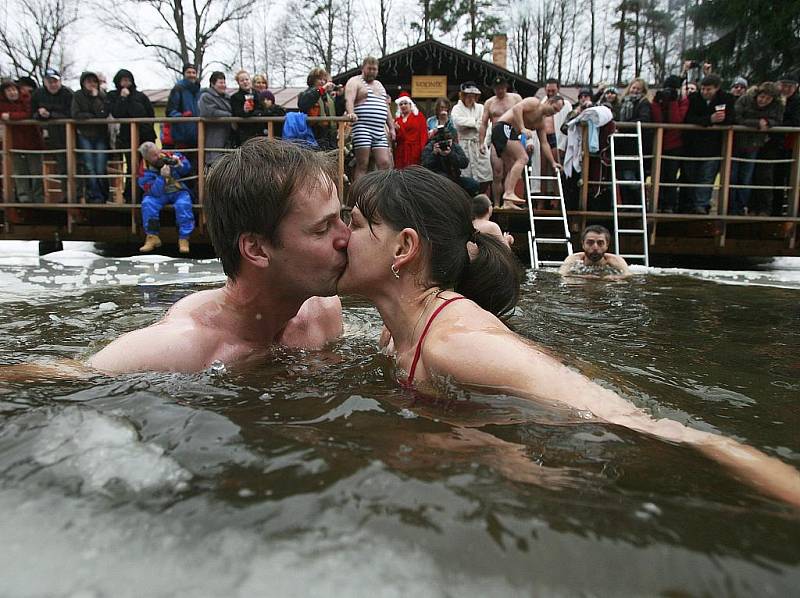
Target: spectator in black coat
point(125, 101)
point(245, 104)
point(780, 145)
point(50, 102)
point(708, 107)
point(444, 156)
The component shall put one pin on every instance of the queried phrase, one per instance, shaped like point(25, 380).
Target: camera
point(166, 161)
point(693, 64)
point(445, 144)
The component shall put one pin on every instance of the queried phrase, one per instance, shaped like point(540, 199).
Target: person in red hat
point(412, 132)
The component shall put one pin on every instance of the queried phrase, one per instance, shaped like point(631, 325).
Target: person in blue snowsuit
point(161, 186)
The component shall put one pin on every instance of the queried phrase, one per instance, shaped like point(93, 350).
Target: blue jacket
point(183, 98)
point(155, 185)
point(295, 128)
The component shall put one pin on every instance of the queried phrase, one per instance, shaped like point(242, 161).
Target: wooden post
point(72, 163)
point(133, 167)
point(8, 166)
point(655, 177)
point(340, 181)
point(270, 131)
point(794, 191)
point(725, 183)
point(201, 162)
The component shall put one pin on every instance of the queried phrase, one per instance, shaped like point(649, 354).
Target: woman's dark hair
point(216, 76)
point(440, 212)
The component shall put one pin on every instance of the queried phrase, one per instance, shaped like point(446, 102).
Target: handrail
point(722, 187)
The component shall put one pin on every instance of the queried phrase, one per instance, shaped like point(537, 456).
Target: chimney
point(500, 50)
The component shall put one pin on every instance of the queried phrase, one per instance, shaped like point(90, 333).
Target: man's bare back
point(531, 112)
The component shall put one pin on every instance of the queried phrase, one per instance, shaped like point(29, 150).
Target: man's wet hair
point(598, 229)
point(480, 205)
point(250, 190)
point(440, 211)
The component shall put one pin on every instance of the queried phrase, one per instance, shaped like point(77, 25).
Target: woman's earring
point(395, 271)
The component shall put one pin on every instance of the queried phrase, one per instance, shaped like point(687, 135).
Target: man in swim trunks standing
point(527, 116)
point(595, 260)
point(366, 105)
point(273, 217)
point(493, 109)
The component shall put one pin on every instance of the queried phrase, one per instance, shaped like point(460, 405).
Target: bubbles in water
point(217, 368)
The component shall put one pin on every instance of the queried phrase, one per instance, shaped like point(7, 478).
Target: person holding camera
point(161, 184)
point(443, 156)
point(318, 100)
point(670, 107)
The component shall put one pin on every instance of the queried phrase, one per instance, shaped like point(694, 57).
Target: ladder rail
point(641, 207)
point(533, 239)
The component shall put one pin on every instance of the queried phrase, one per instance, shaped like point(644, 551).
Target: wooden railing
point(69, 196)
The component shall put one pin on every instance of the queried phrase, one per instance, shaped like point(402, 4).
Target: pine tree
point(759, 39)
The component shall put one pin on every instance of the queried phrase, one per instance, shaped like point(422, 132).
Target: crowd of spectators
point(445, 141)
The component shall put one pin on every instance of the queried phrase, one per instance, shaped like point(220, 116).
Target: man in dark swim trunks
point(526, 117)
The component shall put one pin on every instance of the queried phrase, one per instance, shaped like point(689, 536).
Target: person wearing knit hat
point(270, 108)
point(412, 132)
point(739, 87)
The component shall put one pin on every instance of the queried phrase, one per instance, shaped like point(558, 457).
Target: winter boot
point(183, 246)
point(150, 243)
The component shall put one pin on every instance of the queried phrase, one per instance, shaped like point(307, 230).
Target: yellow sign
point(428, 86)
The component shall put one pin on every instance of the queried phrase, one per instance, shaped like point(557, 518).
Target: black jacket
point(135, 105)
point(246, 131)
point(86, 106)
point(702, 144)
point(450, 165)
point(59, 105)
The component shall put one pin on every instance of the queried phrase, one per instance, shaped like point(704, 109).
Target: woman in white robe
point(466, 116)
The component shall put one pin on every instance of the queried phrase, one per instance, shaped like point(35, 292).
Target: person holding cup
point(244, 104)
point(709, 107)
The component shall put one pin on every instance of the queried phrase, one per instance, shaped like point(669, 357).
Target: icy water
point(319, 476)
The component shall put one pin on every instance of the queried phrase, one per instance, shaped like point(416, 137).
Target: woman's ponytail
point(492, 278)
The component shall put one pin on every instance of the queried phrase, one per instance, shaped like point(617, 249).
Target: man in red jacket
point(16, 106)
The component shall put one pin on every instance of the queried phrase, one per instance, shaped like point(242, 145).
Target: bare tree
point(283, 49)
point(381, 27)
point(182, 31)
point(35, 41)
point(520, 27)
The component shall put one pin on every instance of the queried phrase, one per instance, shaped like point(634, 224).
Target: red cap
point(404, 94)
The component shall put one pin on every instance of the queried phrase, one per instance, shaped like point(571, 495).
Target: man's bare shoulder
point(318, 322)
point(182, 341)
point(515, 97)
point(572, 259)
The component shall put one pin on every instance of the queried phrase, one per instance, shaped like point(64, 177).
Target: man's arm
point(350, 92)
point(567, 265)
point(618, 263)
point(317, 323)
point(484, 124)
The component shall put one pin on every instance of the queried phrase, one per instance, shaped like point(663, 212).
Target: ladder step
point(630, 206)
point(627, 158)
point(629, 183)
point(548, 218)
point(618, 135)
point(550, 241)
point(632, 255)
point(630, 230)
point(542, 178)
point(544, 197)
point(550, 262)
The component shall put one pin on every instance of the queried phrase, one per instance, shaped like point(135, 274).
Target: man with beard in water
point(274, 219)
point(595, 260)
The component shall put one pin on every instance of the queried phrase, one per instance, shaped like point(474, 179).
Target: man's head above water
point(273, 208)
point(595, 240)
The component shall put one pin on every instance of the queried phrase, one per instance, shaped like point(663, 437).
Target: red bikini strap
point(418, 352)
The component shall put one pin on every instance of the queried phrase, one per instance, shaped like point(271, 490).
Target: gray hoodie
point(213, 105)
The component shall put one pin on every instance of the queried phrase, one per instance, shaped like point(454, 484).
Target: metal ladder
point(533, 240)
point(630, 210)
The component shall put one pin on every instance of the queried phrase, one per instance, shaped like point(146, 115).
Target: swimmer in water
point(594, 260)
point(481, 219)
point(439, 286)
point(274, 219)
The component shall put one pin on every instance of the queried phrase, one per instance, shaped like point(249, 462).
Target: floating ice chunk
point(101, 448)
point(107, 306)
point(72, 258)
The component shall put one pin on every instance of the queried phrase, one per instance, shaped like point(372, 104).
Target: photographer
point(161, 185)
point(318, 100)
point(669, 107)
point(443, 156)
